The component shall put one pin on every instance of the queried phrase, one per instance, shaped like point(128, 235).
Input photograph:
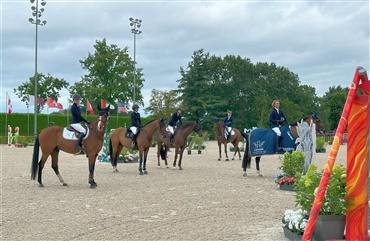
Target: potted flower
point(331, 220)
point(320, 144)
point(294, 223)
point(292, 164)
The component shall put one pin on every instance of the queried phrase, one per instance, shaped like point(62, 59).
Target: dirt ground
point(207, 200)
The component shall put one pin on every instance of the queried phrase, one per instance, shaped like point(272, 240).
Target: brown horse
point(163, 145)
point(219, 129)
point(293, 129)
point(118, 140)
point(181, 137)
point(51, 141)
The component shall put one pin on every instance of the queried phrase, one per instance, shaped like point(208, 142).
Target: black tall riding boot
point(79, 146)
point(278, 143)
point(133, 143)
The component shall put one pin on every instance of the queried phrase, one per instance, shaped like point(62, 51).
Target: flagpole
point(117, 114)
point(28, 114)
point(67, 110)
point(86, 108)
point(6, 116)
point(48, 110)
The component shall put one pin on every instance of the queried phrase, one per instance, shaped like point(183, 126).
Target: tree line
point(209, 86)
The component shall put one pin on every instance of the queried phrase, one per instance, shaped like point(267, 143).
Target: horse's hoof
point(260, 175)
point(233, 159)
point(180, 168)
point(145, 172)
point(65, 185)
point(93, 185)
point(219, 159)
point(141, 173)
point(41, 185)
point(227, 159)
point(244, 174)
point(159, 166)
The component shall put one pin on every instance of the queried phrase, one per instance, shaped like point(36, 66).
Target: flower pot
point(329, 227)
point(189, 152)
point(291, 236)
point(286, 187)
point(199, 151)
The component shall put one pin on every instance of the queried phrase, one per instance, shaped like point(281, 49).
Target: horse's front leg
point(219, 151)
point(145, 157)
point(181, 152)
point(227, 157)
point(237, 151)
point(92, 159)
point(54, 165)
point(141, 162)
point(176, 152)
point(258, 159)
point(159, 147)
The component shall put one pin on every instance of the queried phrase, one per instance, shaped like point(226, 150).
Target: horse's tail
point(163, 152)
point(35, 158)
point(246, 158)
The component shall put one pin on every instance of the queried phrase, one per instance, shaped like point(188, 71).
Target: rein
point(95, 130)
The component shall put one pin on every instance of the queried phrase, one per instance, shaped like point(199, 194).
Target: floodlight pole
point(136, 23)
point(36, 20)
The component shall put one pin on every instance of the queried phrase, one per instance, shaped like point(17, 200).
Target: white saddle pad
point(71, 135)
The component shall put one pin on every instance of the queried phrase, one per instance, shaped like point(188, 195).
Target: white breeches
point(78, 127)
point(133, 129)
point(170, 128)
point(277, 131)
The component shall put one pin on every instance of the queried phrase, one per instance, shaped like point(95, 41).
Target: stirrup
point(80, 152)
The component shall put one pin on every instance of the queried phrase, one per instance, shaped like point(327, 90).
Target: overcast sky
point(321, 41)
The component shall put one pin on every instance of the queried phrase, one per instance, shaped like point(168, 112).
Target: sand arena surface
point(208, 200)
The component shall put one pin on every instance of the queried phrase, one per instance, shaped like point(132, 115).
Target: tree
point(333, 102)
point(162, 103)
point(110, 76)
point(47, 86)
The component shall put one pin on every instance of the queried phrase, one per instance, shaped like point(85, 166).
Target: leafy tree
point(333, 101)
point(110, 76)
point(48, 86)
point(162, 103)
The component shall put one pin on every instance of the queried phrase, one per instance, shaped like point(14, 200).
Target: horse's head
point(103, 118)
point(162, 125)
point(198, 127)
point(216, 124)
point(319, 126)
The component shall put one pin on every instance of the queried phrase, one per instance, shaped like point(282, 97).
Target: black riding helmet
point(135, 106)
point(76, 97)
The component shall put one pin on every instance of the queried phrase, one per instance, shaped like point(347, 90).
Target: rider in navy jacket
point(228, 123)
point(277, 118)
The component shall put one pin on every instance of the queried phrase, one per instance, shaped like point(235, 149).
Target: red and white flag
point(53, 104)
point(8, 104)
point(89, 107)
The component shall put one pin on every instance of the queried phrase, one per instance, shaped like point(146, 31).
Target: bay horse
point(181, 137)
point(117, 141)
point(219, 129)
point(293, 127)
point(51, 141)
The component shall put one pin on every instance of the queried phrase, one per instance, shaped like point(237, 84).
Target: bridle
point(100, 127)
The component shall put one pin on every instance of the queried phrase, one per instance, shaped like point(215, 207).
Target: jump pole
point(360, 75)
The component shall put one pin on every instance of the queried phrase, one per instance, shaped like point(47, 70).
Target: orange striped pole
point(360, 74)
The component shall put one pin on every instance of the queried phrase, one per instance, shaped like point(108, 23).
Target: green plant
point(292, 163)
point(198, 141)
point(320, 143)
point(334, 202)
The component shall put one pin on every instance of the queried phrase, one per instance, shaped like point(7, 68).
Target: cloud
point(321, 41)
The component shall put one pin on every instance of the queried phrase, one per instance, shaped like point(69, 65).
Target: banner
point(53, 104)
point(89, 107)
point(8, 104)
point(122, 107)
point(104, 104)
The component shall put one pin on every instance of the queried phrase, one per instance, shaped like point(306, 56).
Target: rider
point(76, 122)
point(228, 124)
point(135, 122)
point(277, 118)
point(175, 118)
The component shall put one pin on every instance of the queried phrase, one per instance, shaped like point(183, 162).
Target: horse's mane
point(187, 124)
point(149, 122)
point(296, 122)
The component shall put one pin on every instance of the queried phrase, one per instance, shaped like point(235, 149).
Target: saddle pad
point(71, 135)
point(263, 141)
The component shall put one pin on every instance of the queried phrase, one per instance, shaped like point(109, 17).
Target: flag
point(31, 99)
point(53, 104)
point(104, 104)
point(89, 107)
point(122, 107)
point(9, 104)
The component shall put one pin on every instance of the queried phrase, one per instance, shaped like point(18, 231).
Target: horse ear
point(99, 108)
point(108, 107)
point(315, 115)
